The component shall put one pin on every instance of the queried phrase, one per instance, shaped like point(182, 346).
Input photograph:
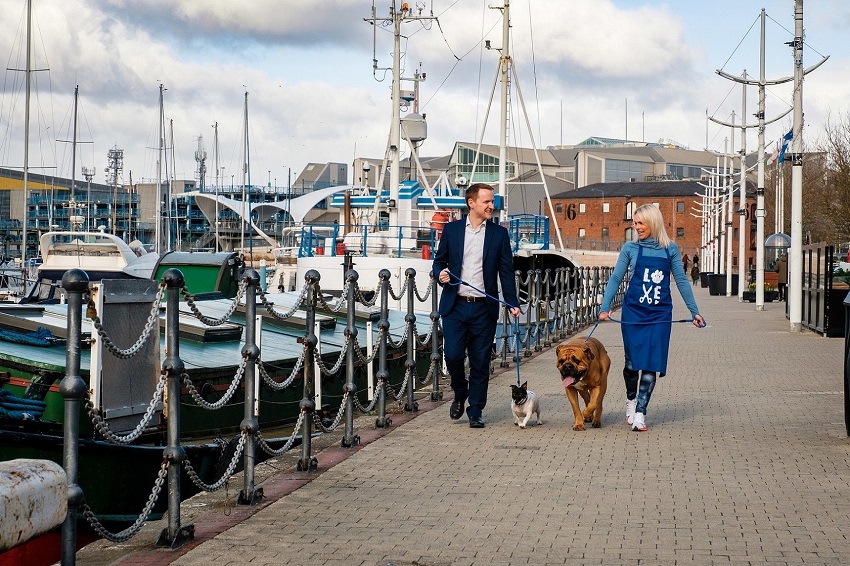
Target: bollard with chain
point(410, 319)
point(174, 536)
point(250, 495)
point(436, 358)
point(541, 316)
point(384, 330)
point(308, 462)
point(350, 439)
point(73, 390)
point(547, 332)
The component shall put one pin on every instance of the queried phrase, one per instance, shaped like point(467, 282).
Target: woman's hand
point(603, 315)
point(698, 321)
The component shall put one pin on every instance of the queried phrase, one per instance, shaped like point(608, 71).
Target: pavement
point(746, 461)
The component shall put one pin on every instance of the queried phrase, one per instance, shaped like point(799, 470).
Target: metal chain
point(190, 301)
point(401, 342)
point(422, 341)
point(339, 414)
point(324, 369)
point(427, 294)
point(375, 348)
point(371, 406)
point(358, 294)
point(190, 471)
point(289, 442)
point(133, 529)
point(231, 390)
point(275, 314)
point(102, 426)
point(153, 319)
point(340, 303)
point(275, 386)
point(403, 386)
point(427, 379)
point(401, 293)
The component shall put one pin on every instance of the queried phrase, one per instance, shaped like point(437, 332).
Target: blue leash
point(516, 319)
point(611, 318)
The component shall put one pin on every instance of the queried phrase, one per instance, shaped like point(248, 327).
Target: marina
point(165, 344)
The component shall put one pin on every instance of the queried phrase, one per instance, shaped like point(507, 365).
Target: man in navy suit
point(478, 252)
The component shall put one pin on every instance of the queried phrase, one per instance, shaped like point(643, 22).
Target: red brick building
point(599, 216)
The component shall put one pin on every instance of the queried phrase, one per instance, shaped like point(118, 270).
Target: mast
point(28, 75)
point(159, 178)
point(74, 149)
point(244, 176)
point(215, 148)
point(505, 70)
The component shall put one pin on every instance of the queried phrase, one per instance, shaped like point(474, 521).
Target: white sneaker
point(631, 405)
point(639, 424)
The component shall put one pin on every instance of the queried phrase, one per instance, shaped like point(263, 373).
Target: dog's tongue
point(568, 381)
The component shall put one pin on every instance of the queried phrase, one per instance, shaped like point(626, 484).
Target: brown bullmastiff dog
point(584, 365)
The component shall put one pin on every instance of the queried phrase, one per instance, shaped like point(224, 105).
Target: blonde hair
point(652, 217)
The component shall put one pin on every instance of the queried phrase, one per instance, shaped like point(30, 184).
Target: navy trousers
point(468, 330)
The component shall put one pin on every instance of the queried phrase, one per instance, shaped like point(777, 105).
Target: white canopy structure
point(297, 207)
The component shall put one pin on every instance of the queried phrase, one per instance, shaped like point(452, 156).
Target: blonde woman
point(647, 307)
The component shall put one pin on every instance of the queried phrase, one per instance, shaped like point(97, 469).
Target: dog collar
point(521, 402)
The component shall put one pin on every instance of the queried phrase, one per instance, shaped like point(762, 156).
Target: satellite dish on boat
point(461, 181)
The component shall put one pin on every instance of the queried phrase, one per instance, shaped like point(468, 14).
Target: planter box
point(769, 296)
point(717, 284)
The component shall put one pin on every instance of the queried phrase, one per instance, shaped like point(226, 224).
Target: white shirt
point(473, 260)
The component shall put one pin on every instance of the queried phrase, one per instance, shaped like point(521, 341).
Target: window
point(680, 232)
point(581, 208)
point(680, 206)
point(606, 207)
point(629, 211)
point(559, 208)
point(629, 234)
point(605, 233)
point(581, 233)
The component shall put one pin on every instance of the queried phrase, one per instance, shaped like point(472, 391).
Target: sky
point(645, 70)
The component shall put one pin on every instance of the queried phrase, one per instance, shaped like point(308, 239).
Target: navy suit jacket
point(498, 265)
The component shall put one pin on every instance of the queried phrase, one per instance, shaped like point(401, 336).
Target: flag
point(773, 156)
point(785, 139)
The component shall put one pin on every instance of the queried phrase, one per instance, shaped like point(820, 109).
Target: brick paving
point(746, 461)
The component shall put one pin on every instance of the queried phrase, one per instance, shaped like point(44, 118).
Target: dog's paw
point(597, 424)
point(522, 426)
point(578, 426)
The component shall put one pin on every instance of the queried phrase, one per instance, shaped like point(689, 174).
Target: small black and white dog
point(524, 403)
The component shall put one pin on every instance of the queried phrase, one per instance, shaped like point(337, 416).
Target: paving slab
point(746, 461)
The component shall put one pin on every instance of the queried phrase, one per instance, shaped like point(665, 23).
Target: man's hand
point(515, 312)
point(444, 276)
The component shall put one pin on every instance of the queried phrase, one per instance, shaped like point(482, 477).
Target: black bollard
point(350, 439)
point(410, 363)
point(251, 351)
point(174, 536)
point(308, 462)
point(73, 390)
point(383, 374)
point(436, 358)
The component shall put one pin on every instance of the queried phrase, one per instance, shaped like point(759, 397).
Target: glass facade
point(622, 170)
point(678, 171)
point(487, 169)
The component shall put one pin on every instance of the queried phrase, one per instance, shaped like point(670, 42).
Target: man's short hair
point(472, 191)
